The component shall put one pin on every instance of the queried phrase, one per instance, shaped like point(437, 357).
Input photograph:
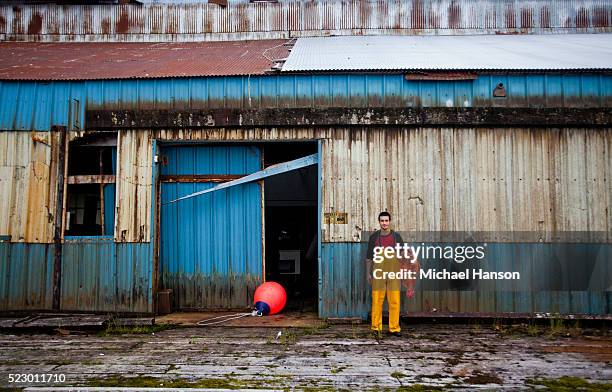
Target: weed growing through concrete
point(114, 328)
point(568, 384)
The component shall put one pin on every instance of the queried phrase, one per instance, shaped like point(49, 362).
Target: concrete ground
point(318, 357)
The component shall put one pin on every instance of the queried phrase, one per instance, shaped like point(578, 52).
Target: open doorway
point(291, 251)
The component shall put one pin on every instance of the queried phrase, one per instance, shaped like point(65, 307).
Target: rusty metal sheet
point(242, 19)
point(25, 276)
point(494, 180)
point(454, 179)
point(92, 61)
point(134, 186)
point(28, 169)
point(101, 275)
point(345, 291)
point(442, 75)
point(196, 262)
point(38, 105)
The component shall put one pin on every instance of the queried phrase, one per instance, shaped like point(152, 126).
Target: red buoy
point(270, 298)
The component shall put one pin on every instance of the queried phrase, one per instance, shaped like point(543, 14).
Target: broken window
point(90, 203)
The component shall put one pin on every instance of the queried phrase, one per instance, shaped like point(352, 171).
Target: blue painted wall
point(97, 275)
point(101, 275)
point(38, 105)
point(26, 273)
point(547, 284)
point(211, 246)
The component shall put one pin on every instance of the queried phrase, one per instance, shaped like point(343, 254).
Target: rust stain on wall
point(16, 22)
point(545, 17)
point(526, 18)
point(600, 17)
point(582, 18)
point(434, 19)
point(246, 21)
point(105, 26)
point(35, 25)
point(510, 18)
point(418, 15)
point(123, 24)
point(454, 15)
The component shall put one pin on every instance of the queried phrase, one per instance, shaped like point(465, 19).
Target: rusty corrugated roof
point(90, 61)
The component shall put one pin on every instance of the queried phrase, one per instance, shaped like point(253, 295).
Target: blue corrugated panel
point(547, 285)
point(38, 105)
point(211, 248)
point(4, 272)
point(101, 275)
point(134, 277)
point(344, 290)
point(27, 273)
point(109, 209)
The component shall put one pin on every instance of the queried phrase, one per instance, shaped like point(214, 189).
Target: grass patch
point(313, 330)
point(568, 384)
point(288, 337)
point(228, 382)
point(336, 370)
point(91, 362)
point(14, 362)
point(559, 328)
point(418, 388)
point(398, 375)
point(112, 328)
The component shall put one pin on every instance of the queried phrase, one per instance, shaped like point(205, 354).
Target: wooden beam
point(92, 179)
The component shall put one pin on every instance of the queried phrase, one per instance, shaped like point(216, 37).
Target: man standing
point(385, 237)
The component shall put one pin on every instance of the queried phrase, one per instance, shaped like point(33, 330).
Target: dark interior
point(291, 250)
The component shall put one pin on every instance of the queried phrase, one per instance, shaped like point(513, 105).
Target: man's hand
point(409, 293)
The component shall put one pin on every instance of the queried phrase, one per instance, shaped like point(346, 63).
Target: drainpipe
point(59, 213)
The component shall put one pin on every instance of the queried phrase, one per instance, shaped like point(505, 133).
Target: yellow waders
point(390, 287)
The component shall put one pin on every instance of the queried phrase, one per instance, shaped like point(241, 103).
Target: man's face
point(384, 222)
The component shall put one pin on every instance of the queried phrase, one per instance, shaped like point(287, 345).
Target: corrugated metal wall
point(103, 276)
point(536, 181)
point(489, 180)
point(97, 273)
point(513, 186)
point(28, 185)
point(26, 273)
point(38, 105)
point(242, 20)
point(346, 293)
point(211, 246)
point(134, 187)
point(541, 181)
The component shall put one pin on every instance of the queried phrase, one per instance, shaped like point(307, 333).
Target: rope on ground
point(225, 318)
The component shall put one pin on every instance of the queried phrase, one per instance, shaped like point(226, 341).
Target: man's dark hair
point(384, 213)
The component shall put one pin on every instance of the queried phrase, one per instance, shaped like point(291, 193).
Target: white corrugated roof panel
point(475, 52)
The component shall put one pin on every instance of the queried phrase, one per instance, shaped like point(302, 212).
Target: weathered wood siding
point(134, 187)
point(28, 185)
